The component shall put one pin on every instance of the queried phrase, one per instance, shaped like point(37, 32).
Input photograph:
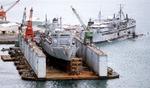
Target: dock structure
point(34, 56)
point(93, 57)
point(33, 64)
point(27, 73)
point(7, 58)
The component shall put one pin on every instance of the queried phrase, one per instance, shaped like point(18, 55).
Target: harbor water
point(130, 58)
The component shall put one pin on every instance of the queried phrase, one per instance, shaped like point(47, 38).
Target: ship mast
point(99, 16)
point(24, 17)
point(121, 13)
point(60, 22)
point(46, 21)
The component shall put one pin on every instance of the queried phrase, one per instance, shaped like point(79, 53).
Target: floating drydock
point(35, 57)
point(94, 58)
point(33, 63)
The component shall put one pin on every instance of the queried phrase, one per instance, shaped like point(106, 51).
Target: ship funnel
point(90, 22)
point(55, 20)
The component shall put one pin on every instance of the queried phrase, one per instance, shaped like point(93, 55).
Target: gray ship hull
point(64, 53)
point(111, 35)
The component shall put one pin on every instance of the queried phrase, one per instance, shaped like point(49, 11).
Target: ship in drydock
point(58, 49)
point(59, 43)
point(60, 46)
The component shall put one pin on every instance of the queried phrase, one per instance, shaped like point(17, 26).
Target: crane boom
point(24, 17)
point(29, 34)
point(78, 17)
point(88, 34)
point(12, 6)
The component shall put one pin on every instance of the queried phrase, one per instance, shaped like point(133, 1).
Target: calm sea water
point(130, 58)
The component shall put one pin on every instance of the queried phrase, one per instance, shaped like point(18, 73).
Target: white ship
point(117, 27)
point(59, 43)
point(7, 28)
point(108, 29)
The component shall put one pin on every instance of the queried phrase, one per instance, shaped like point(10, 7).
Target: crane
point(78, 17)
point(3, 12)
point(88, 34)
point(29, 30)
point(24, 17)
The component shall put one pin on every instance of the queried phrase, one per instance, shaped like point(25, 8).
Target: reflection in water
point(77, 84)
point(40, 84)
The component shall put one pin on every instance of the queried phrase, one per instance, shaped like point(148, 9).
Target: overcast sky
point(56, 8)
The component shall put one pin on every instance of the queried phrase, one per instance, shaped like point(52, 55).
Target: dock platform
point(7, 58)
point(52, 73)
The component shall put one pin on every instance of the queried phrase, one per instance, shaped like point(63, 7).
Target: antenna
point(31, 13)
point(114, 16)
point(60, 22)
point(127, 18)
point(45, 19)
point(99, 16)
point(121, 13)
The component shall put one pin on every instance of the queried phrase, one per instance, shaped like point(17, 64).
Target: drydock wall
point(94, 58)
point(35, 57)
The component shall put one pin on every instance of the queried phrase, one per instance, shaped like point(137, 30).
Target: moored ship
point(117, 27)
point(120, 26)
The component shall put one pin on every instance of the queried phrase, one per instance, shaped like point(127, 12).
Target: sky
point(61, 8)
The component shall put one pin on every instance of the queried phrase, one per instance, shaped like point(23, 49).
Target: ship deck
point(56, 74)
